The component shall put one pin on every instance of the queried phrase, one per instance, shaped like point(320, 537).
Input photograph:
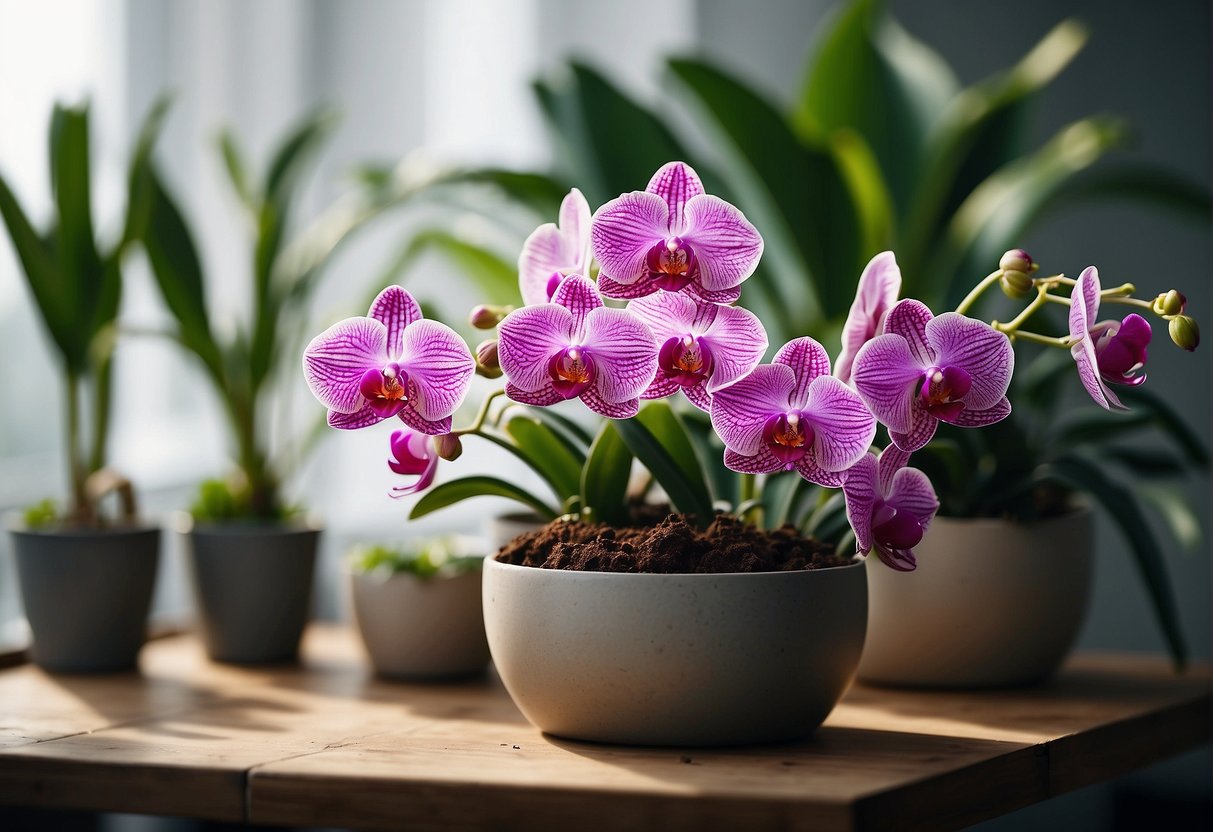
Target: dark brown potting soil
point(671, 546)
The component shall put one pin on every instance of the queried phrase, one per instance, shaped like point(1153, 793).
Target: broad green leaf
point(495, 278)
point(1140, 183)
point(604, 480)
point(688, 495)
point(1146, 462)
point(237, 171)
point(139, 187)
point(779, 493)
point(725, 484)
point(873, 202)
point(1124, 510)
point(538, 191)
point(575, 432)
point(1169, 420)
point(293, 153)
point(670, 432)
point(1172, 504)
point(548, 454)
point(78, 261)
point(456, 491)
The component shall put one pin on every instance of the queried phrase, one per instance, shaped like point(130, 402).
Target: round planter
point(421, 628)
point(697, 660)
point(87, 593)
point(253, 589)
point(992, 604)
point(500, 529)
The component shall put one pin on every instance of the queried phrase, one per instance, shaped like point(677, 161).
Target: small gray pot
point(253, 589)
point(87, 593)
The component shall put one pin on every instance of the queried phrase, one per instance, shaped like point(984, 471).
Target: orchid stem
point(1064, 341)
point(481, 415)
point(972, 296)
point(1042, 292)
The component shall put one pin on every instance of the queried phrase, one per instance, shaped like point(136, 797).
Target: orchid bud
point(1017, 260)
point(1015, 284)
point(487, 317)
point(1184, 332)
point(488, 364)
point(448, 446)
point(1170, 303)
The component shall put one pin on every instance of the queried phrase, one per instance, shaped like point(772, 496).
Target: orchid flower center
point(385, 390)
point(788, 437)
point(1120, 349)
point(943, 390)
point(894, 529)
point(672, 264)
point(572, 372)
point(685, 360)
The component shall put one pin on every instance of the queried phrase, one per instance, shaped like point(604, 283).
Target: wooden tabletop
point(327, 744)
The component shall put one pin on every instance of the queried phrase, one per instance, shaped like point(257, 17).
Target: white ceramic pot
point(699, 660)
point(416, 628)
point(992, 604)
point(500, 529)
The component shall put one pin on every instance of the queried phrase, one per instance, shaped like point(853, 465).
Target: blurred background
point(424, 88)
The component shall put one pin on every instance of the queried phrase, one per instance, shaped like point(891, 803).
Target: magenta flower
point(1105, 351)
point(413, 455)
point(575, 347)
point(924, 370)
point(878, 288)
point(391, 363)
point(704, 346)
point(673, 236)
point(553, 252)
point(889, 507)
point(792, 414)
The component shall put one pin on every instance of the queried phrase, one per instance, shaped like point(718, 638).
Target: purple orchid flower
point(924, 370)
point(889, 506)
point(575, 347)
point(792, 414)
point(553, 252)
point(1108, 351)
point(413, 455)
point(878, 288)
point(704, 347)
point(675, 237)
point(390, 363)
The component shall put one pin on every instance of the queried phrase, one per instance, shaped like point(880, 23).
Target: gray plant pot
point(87, 593)
point(253, 589)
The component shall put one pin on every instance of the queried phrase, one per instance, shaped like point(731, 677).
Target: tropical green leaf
point(538, 191)
point(670, 432)
point(237, 171)
point(495, 278)
point(548, 453)
point(293, 153)
point(1146, 462)
point(1173, 506)
point(456, 491)
point(604, 480)
point(576, 433)
point(79, 263)
point(139, 190)
point(1169, 420)
point(1140, 183)
point(688, 495)
point(725, 484)
point(779, 493)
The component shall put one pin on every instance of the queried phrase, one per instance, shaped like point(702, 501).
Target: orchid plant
point(670, 262)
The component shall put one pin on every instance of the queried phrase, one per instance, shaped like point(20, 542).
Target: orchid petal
point(912, 492)
point(538, 398)
point(977, 348)
point(440, 368)
point(969, 418)
point(860, 492)
point(411, 453)
point(543, 255)
point(900, 560)
point(625, 409)
point(909, 319)
point(1084, 306)
point(395, 308)
point(528, 338)
point(892, 460)
point(740, 411)
point(336, 359)
point(575, 226)
point(878, 288)
point(630, 291)
point(361, 418)
point(921, 429)
point(699, 397)
point(624, 353)
point(727, 246)
point(811, 470)
point(885, 374)
point(676, 183)
point(430, 427)
point(808, 360)
point(738, 341)
point(660, 388)
point(579, 296)
point(624, 230)
point(843, 425)
point(666, 314)
point(721, 297)
point(762, 462)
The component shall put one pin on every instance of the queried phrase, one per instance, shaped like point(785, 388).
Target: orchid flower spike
point(878, 288)
point(576, 347)
point(553, 252)
point(674, 237)
point(413, 455)
point(390, 363)
point(792, 414)
point(889, 507)
point(924, 370)
point(1108, 351)
point(704, 347)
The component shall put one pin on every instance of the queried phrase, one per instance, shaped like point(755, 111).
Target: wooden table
point(328, 744)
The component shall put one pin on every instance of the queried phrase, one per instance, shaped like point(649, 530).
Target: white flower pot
point(992, 603)
point(652, 659)
point(419, 628)
point(500, 529)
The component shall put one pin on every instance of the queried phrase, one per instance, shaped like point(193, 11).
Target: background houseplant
point(102, 569)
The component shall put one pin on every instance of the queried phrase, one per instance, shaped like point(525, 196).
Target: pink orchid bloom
point(924, 370)
point(704, 347)
point(674, 237)
point(878, 288)
point(413, 455)
point(553, 252)
point(576, 347)
point(889, 506)
point(390, 363)
point(1108, 351)
point(792, 414)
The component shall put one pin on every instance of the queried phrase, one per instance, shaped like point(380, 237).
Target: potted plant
point(251, 555)
point(418, 608)
point(100, 569)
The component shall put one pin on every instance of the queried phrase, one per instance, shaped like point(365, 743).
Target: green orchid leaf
point(578, 436)
point(604, 480)
point(80, 267)
point(237, 170)
point(688, 494)
point(139, 187)
point(293, 153)
point(1126, 512)
point(670, 432)
point(1146, 184)
point(549, 454)
point(495, 278)
point(538, 191)
point(725, 484)
point(456, 491)
point(779, 496)
point(1170, 422)
point(1146, 463)
point(1173, 506)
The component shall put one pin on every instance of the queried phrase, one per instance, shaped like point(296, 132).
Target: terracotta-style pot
point(659, 659)
point(87, 593)
point(992, 604)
